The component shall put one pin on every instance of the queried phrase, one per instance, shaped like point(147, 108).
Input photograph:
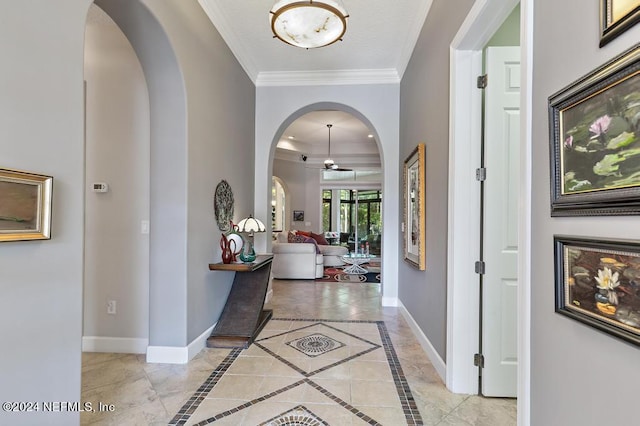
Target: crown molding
point(328, 77)
point(229, 36)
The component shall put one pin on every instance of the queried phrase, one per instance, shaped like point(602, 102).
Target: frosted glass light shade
point(308, 24)
point(251, 224)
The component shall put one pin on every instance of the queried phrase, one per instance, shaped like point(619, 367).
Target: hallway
point(329, 356)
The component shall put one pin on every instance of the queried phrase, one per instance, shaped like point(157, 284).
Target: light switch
point(144, 227)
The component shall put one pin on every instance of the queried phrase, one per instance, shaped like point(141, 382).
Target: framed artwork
point(617, 16)
point(223, 205)
point(596, 283)
point(595, 141)
point(25, 206)
point(414, 208)
point(298, 215)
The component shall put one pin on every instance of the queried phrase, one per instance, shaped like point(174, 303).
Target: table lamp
point(249, 226)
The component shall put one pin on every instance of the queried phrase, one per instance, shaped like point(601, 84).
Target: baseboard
point(178, 354)
point(432, 354)
point(122, 345)
point(390, 301)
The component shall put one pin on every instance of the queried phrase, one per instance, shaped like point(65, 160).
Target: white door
point(500, 285)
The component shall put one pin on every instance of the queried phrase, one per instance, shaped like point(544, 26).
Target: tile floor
point(347, 368)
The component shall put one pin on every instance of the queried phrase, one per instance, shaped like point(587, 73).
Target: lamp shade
point(308, 24)
point(251, 224)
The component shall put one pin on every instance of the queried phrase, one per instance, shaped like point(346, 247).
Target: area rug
point(335, 274)
point(307, 372)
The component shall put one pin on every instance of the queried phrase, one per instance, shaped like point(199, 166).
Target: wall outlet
point(111, 307)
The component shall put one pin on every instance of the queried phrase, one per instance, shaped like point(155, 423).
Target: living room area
point(326, 200)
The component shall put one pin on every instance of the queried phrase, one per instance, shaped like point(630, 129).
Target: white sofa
point(296, 261)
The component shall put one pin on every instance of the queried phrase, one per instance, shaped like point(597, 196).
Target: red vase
point(227, 252)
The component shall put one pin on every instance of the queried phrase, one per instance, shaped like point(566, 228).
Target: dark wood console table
point(243, 316)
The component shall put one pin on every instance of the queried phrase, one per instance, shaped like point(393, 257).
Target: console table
point(243, 316)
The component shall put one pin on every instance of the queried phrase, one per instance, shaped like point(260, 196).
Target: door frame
point(481, 23)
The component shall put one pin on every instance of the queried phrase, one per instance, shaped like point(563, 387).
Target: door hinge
point(482, 81)
point(481, 174)
point(478, 360)
point(480, 267)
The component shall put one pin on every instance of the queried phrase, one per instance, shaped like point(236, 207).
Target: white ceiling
point(376, 48)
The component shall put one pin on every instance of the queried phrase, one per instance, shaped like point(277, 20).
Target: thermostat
point(100, 187)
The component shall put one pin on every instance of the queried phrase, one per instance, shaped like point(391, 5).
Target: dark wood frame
point(298, 215)
point(618, 201)
point(565, 307)
point(610, 29)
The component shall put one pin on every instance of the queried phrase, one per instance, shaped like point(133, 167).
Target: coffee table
point(354, 261)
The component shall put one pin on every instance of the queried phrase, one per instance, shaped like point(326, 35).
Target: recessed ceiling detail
point(376, 49)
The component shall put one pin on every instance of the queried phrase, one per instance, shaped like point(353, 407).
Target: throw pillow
point(299, 239)
point(303, 239)
point(305, 233)
point(320, 239)
point(290, 237)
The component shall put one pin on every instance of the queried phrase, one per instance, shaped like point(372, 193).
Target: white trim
point(120, 345)
point(178, 354)
point(390, 301)
point(328, 77)
point(484, 18)
point(435, 358)
point(269, 295)
point(524, 231)
point(464, 228)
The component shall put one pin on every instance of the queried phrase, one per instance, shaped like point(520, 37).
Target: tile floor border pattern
point(408, 404)
point(326, 367)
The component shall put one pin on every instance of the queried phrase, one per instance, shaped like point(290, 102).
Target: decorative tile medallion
point(315, 344)
point(341, 342)
point(298, 416)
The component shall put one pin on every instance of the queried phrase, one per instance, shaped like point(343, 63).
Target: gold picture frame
point(25, 206)
point(617, 16)
point(414, 208)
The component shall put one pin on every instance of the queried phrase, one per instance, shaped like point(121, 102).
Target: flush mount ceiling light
point(308, 24)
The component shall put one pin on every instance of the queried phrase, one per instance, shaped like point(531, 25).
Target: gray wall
point(41, 110)
point(579, 376)
point(117, 152)
point(424, 112)
point(293, 174)
point(41, 117)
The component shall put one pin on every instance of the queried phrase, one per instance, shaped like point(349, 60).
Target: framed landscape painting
point(595, 141)
point(616, 16)
point(25, 206)
point(414, 208)
point(598, 283)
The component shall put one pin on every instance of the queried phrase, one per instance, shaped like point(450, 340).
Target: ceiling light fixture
point(329, 163)
point(308, 24)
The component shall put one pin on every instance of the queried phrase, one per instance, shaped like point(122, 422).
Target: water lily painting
point(25, 206)
point(598, 283)
point(595, 141)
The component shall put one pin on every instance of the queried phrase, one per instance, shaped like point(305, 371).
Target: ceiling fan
point(329, 164)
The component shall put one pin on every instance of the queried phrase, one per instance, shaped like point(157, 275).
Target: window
point(277, 205)
point(326, 210)
point(361, 218)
